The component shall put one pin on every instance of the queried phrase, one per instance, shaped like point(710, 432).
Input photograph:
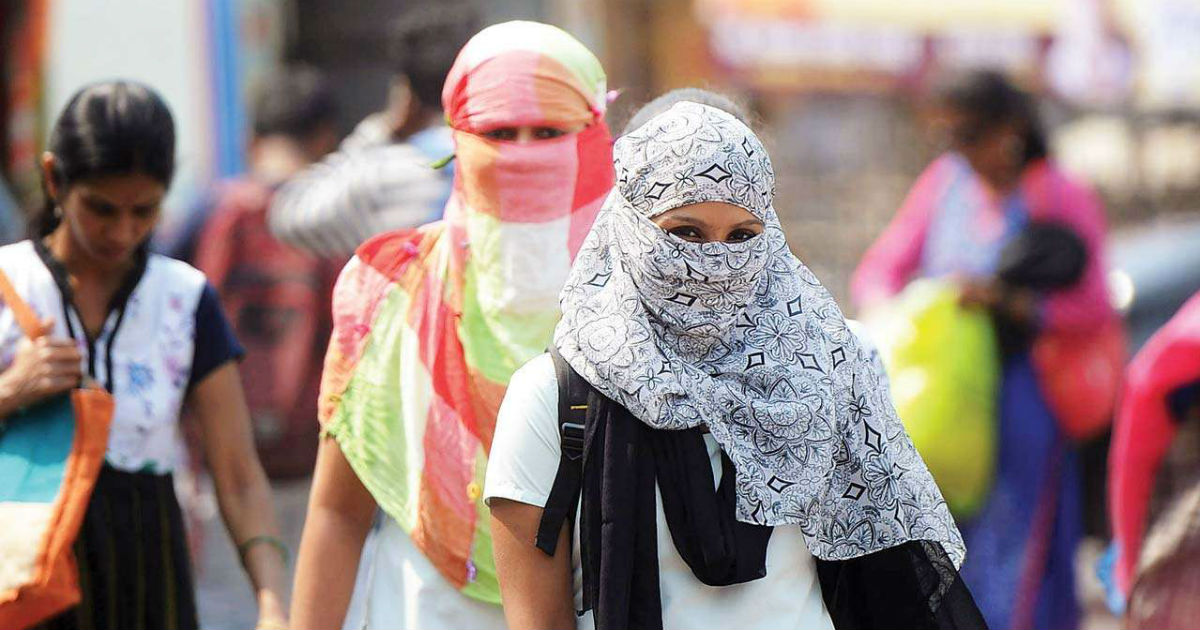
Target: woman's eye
point(547, 133)
point(503, 133)
point(740, 236)
point(145, 212)
point(687, 233)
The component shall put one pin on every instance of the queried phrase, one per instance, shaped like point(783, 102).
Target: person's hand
point(271, 612)
point(1020, 304)
point(271, 622)
point(41, 368)
point(979, 293)
point(400, 109)
point(1015, 303)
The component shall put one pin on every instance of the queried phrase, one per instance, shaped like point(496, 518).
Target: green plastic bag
point(944, 369)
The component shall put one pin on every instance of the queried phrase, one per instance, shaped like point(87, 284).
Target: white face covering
point(690, 289)
point(742, 338)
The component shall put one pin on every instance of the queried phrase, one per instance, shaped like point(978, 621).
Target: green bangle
point(270, 540)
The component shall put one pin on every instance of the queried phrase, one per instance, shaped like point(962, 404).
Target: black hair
point(695, 95)
point(110, 128)
point(990, 100)
point(295, 102)
point(425, 41)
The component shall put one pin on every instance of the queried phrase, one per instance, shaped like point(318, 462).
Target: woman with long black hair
point(149, 330)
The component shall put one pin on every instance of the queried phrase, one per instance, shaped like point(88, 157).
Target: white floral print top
point(163, 333)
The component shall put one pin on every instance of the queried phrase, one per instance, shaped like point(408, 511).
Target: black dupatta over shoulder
point(612, 463)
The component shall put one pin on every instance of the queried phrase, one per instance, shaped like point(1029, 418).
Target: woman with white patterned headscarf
point(694, 343)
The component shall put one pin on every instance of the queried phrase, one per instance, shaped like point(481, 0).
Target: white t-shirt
point(398, 587)
point(524, 461)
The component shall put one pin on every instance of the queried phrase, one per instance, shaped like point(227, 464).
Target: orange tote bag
point(50, 457)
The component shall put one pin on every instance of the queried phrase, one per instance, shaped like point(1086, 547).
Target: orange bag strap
point(26, 318)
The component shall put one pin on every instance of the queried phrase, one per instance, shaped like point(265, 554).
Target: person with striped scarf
point(430, 324)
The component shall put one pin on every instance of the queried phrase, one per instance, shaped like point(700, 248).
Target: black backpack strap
point(573, 395)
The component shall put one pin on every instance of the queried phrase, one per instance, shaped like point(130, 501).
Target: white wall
point(159, 42)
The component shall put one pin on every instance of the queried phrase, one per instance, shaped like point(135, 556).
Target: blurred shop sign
point(871, 44)
point(1094, 53)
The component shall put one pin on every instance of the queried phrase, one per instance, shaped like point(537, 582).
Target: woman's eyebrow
point(687, 218)
point(748, 222)
point(96, 199)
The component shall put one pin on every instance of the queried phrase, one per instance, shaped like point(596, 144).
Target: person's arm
point(340, 508)
point(243, 493)
point(535, 588)
point(340, 511)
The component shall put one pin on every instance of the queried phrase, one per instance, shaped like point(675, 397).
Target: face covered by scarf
point(743, 339)
point(523, 209)
point(430, 324)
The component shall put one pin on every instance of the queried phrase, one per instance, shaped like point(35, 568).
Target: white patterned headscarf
point(743, 339)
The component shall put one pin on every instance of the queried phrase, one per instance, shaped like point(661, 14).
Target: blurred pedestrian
point(276, 295)
point(151, 331)
point(693, 343)
point(429, 326)
point(383, 177)
point(962, 220)
point(1155, 478)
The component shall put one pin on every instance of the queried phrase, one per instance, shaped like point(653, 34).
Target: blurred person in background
point(961, 220)
point(1155, 479)
point(382, 178)
point(276, 296)
point(430, 324)
point(151, 331)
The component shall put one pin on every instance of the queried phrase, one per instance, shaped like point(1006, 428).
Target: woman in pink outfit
point(969, 216)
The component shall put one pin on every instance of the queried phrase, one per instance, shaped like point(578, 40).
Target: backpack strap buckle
point(572, 437)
